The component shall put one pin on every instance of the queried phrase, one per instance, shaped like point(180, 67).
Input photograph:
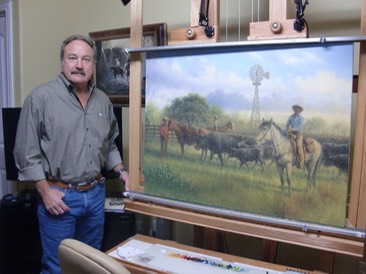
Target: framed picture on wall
point(112, 70)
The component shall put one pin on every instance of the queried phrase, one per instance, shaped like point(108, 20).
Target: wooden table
point(134, 267)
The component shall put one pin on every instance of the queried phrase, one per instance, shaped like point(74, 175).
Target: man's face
point(78, 62)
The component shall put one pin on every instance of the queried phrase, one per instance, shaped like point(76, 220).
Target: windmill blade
point(266, 75)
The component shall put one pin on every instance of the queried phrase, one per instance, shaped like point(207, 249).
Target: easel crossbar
point(346, 245)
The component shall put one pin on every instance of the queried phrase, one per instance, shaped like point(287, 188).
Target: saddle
point(307, 144)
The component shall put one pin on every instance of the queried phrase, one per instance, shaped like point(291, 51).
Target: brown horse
point(184, 134)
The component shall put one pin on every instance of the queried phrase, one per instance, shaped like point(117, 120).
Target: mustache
point(78, 72)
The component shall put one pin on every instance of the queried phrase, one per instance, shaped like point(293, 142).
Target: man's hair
point(80, 37)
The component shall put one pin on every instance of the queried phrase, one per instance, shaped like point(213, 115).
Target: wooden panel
point(262, 30)
point(361, 218)
point(277, 10)
point(135, 94)
point(195, 11)
point(357, 205)
point(179, 36)
point(352, 247)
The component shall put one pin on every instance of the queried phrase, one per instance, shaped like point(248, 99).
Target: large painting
point(217, 130)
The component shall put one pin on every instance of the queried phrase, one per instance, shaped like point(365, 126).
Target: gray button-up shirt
point(58, 139)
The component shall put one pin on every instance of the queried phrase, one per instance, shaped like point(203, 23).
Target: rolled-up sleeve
point(27, 151)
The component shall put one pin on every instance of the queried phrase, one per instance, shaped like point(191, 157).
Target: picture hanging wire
point(258, 9)
point(252, 10)
point(239, 18)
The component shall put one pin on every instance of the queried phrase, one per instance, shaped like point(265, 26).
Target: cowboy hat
point(297, 106)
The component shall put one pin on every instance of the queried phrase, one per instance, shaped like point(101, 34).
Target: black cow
point(248, 154)
point(330, 149)
point(336, 155)
point(219, 143)
point(340, 161)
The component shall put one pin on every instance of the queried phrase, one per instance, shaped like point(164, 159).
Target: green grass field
point(244, 188)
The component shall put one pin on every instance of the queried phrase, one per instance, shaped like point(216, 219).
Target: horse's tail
point(317, 167)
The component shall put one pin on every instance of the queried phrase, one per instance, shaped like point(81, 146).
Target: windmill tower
point(256, 74)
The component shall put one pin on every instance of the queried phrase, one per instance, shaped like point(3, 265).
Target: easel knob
point(190, 33)
point(276, 27)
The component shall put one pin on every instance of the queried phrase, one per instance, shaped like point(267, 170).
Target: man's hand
point(52, 198)
point(124, 177)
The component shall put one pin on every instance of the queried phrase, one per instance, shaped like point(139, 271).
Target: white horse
point(284, 155)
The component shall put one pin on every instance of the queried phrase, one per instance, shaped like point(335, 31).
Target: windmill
point(256, 74)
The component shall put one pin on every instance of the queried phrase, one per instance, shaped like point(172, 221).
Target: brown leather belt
point(82, 186)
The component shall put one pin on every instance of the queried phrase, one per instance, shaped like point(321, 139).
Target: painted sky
point(319, 78)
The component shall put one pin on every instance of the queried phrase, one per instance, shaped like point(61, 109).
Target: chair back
point(77, 257)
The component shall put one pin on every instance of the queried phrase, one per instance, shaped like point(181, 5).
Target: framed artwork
point(227, 113)
point(112, 73)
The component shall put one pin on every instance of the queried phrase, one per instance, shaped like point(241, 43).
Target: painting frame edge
point(157, 30)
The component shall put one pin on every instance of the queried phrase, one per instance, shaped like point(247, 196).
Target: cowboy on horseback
point(294, 126)
point(117, 62)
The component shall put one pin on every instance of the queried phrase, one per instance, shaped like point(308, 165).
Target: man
point(294, 126)
point(65, 137)
point(164, 136)
point(117, 62)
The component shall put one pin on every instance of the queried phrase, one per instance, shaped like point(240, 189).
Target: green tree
point(192, 110)
point(152, 114)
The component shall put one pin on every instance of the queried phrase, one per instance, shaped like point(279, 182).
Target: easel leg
point(269, 251)
point(208, 238)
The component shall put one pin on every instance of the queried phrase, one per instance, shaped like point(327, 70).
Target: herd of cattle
point(335, 151)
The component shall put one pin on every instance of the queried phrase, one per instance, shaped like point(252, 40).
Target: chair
point(79, 258)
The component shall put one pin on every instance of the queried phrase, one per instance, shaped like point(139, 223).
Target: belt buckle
point(79, 185)
point(92, 183)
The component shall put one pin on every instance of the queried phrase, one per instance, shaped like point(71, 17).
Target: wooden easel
point(278, 25)
point(196, 34)
point(360, 124)
point(260, 30)
point(135, 130)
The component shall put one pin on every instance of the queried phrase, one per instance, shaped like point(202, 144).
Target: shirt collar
point(71, 87)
